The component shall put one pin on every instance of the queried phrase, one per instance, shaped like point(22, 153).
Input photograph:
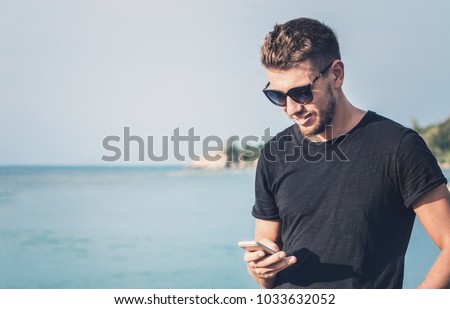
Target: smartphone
point(252, 245)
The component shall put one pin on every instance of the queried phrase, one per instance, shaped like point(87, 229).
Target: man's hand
point(263, 267)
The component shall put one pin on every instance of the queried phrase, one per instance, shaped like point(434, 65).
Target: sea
point(137, 227)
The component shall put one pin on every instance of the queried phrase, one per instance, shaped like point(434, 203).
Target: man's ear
point(337, 71)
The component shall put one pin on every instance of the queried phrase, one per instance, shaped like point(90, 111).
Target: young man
point(338, 191)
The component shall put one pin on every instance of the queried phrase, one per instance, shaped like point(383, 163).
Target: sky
point(73, 72)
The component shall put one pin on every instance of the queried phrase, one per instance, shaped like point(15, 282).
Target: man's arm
point(433, 211)
point(262, 267)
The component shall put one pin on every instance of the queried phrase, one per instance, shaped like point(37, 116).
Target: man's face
point(312, 118)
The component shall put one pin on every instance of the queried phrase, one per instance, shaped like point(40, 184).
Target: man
point(337, 192)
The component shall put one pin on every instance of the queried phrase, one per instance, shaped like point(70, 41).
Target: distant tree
point(437, 137)
point(415, 125)
point(232, 150)
point(251, 152)
point(236, 153)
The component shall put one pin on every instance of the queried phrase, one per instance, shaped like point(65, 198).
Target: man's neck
point(346, 117)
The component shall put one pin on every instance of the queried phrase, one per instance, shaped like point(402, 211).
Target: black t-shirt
point(344, 204)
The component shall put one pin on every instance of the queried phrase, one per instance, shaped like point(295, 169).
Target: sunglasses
point(302, 95)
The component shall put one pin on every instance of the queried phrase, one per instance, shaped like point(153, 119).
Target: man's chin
point(308, 131)
point(311, 131)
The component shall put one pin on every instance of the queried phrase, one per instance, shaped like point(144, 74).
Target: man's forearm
point(439, 275)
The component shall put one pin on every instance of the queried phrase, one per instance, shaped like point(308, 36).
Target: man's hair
point(298, 40)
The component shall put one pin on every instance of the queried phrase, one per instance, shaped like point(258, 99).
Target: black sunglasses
point(302, 95)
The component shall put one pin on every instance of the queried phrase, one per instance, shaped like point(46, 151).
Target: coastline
point(219, 160)
point(444, 165)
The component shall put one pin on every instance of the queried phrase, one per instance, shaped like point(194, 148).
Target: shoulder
point(384, 124)
point(378, 128)
point(275, 151)
point(280, 141)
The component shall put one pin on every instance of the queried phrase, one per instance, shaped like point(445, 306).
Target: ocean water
point(136, 227)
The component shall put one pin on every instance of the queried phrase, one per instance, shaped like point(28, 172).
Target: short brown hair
point(298, 40)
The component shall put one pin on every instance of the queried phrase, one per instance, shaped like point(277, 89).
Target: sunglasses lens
point(276, 97)
point(301, 95)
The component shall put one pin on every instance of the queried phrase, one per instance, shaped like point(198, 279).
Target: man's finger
point(250, 256)
point(271, 259)
point(273, 269)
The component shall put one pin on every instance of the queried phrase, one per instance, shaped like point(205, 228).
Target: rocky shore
point(219, 160)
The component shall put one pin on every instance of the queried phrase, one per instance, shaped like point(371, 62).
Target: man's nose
point(293, 107)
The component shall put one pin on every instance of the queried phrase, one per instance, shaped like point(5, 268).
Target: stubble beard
point(325, 116)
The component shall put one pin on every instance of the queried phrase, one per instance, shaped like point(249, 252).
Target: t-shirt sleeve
point(417, 169)
point(265, 207)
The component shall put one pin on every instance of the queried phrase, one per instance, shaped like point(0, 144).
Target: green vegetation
point(244, 156)
point(437, 137)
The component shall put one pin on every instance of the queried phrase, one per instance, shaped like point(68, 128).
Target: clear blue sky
point(73, 72)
